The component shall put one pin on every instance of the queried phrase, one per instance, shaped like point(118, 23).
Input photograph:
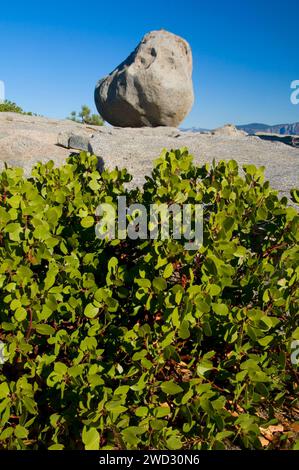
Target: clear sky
point(245, 53)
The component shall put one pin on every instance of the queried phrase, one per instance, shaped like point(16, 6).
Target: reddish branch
point(30, 324)
point(272, 248)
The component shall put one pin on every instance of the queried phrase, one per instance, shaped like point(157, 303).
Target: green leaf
point(14, 230)
point(115, 407)
point(60, 368)
point(112, 264)
point(146, 283)
point(162, 411)
point(203, 367)
point(16, 303)
point(56, 447)
point(122, 390)
point(91, 439)
point(295, 195)
point(202, 307)
point(184, 331)
point(220, 309)
point(20, 314)
point(44, 329)
point(174, 443)
point(141, 411)
point(21, 432)
point(87, 222)
point(228, 223)
point(6, 433)
point(91, 311)
point(159, 284)
point(295, 334)
point(168, 271)
point(50, 278)
point(14, 201)
point(214, 289)
point(130, 435)
point(266, 340)
point(171, 388)
point(4, 390)
point(30, 405)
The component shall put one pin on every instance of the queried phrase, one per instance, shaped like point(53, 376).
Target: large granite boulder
point(152, 87)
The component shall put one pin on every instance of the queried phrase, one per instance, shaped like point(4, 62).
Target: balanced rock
point(152, 87)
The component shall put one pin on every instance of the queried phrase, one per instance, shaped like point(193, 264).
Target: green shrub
point(140, 344)
point(85, 117)
point(10, 107)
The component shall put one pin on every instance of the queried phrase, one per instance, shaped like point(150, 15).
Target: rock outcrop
point(152, 87)
point(229, 130)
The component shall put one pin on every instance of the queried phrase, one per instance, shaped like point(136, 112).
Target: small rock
point(79, 142)
point(70, 140)
point(63, 139)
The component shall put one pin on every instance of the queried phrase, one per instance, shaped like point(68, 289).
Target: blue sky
point(245, 53)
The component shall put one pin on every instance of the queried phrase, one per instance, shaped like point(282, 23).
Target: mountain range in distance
point(282, 129)
point(254, 128)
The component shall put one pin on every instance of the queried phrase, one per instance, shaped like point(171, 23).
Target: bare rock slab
point(26, 140)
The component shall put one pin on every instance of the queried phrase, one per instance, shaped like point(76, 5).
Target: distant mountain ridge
point(282, 129)
point(253, 128)
point(195, 129)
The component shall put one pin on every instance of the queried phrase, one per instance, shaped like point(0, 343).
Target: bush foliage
point(85, 117)
point(10, 107)
point(140, 344)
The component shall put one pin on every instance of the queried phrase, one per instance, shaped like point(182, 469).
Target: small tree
point(85, 117)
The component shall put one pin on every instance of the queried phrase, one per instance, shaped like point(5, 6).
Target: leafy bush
point(141, 344)
point(10, 107)
point(85, 117)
